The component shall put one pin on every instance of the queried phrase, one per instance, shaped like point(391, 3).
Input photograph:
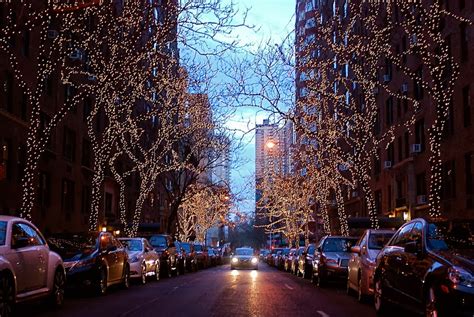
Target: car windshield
point(243, 252)
point(274, 251)
point(3, 232)
point(338, 244)
point(74, 247)
point(132, 244)
point(378, 240)
point(286, 251)
point(198, 247)
point(311, 249)
point(440, 237)
point(210, 252)
point(158, 241)
point(186, 247)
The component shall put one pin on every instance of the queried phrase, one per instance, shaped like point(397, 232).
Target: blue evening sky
point(275, 19)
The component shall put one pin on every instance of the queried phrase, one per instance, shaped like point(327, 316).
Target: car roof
point(125, 238)
point(381, 231)
point(10, 218)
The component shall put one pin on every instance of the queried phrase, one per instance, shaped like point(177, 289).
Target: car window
point(132, 244)
point(417, 232)
point(311, 249)
point(24, 231)
point(3, 232)
point(378, 240)
point(403, 236)
point(159, 241)
point(363, 240)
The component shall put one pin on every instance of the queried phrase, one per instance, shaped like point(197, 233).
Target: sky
point(274, 19)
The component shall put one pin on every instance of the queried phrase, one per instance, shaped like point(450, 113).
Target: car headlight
point(460, 276)
point(254, 260)
point(235, 260)
point(134, 259)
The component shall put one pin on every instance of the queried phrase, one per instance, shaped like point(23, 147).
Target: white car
point(143, 259)
point(28, 269)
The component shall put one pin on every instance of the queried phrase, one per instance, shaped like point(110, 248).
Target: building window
point(24, 106)
point(21, 163)
point(5, 160)
point(67, 197)
point(86, 153)
point(69, 146)
point(389, 197)
point(400, 148)
point(391, 153)
point(87, 109)
point(108, 205)
point(8, 91)
point(421, 184)
point(464, 42)
point(448, 183)
point(420, 133)
point(44, 192)
point(399, 108)
point(25, 49)
point(389, 112)
point(407, 143)
point(468, 158)
point(466, 105)
point(86, 199)
point(378, 163)
point(44, 122)
point(377, 123)
point(417, 84)
point(462, 4)
point(378, 201)
point(48, 85)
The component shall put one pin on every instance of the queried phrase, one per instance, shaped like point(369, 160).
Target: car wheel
point(321, 281)
point(348, 287)
point(102, 282)
point(143, 275)
point(126, 278)
point(380, 303)
point(59, 283)
point(431, 309)
point(157, 272)
point(7, 296)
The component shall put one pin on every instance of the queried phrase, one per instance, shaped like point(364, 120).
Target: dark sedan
point(96, 260)
point(244, 258)
point(427, 266)
point(166, 249)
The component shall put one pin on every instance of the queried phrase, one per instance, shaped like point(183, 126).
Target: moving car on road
point(331, 259)
point(244, 258)
point(95, 259)
point(142, 258)
point(362, 262)
point(28, 268)
point(427, 266)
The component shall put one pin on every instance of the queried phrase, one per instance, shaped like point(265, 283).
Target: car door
point(108, 255)
point(395, 262)
point(150, 255)
point(355, 261)
point(121, 258)
point(29, 256)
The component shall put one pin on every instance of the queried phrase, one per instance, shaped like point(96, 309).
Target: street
point(215, 292)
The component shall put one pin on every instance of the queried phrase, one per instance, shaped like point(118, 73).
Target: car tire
point(380, 303)
point(126, 278)
point(102, 281)
point(157, 272)
point(143, 274)
point(431, 309)
point(321, 281)
point(348, 288)
point(360, 295)
point(59, 285)
point(7, 295)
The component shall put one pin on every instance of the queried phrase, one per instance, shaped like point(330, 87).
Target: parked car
point(271, 259)
point(190, 256)
point(95, 259)
point(28, 268)
point(294, 260)
point(180, 258)
point(166, 249)
point(281, 258)
point(217, 252)
point(201, 255)
point(212, 257)
point(427, 266)
point(331, 259)
point(244, 258)
point(362, 262)
point(263, 254)
point(144, 261)
point(288, 259)
point(305, 261)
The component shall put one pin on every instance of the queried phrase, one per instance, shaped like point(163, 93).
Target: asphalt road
point(214, 292)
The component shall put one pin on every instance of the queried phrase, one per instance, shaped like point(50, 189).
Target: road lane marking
point(323, 314)
point(288, 286)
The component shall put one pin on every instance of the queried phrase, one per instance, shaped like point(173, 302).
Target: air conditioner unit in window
point(52, 34)
point(387, 78)
point(76, 54)
point(92, 77)
point(355, 194)
point(405, 88)
point(413, 39)
point(421, 199)
point(375, 91)
point(416, 148)
point(387, 164)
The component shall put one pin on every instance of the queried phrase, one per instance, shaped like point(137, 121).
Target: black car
point(191, 262)
point(164, 245)
point(96, 260)
point(427, 266)
point(305, 261)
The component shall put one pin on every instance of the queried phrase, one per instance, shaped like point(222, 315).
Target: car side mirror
point(355, 249)
point(21, 242)
point(413, 247)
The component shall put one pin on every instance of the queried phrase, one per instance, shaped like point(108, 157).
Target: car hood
point(462, 258)
point(338, 255)
point(131, 254)
point(243, 257)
